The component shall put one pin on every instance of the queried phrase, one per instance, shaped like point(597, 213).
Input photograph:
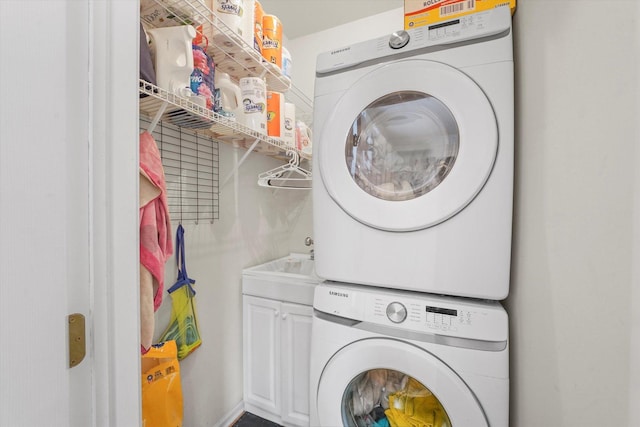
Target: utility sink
point(289, 279)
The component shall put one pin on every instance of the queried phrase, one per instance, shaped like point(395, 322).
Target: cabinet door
point(296, 353)
point(261, 341)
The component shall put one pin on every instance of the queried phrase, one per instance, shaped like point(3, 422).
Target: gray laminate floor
point(250, 420)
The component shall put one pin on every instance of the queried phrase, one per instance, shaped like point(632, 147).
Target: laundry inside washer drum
point(389, 398)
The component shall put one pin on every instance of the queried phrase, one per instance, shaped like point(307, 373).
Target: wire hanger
point(290, 175)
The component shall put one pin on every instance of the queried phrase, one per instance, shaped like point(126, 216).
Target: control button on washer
point(399, 39)
point(396, 312)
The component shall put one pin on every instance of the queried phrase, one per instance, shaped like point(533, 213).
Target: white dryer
point(381, 357)
point(413, 159)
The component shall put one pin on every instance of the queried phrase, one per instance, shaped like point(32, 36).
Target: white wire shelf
point(231, 53)
point(184, 113)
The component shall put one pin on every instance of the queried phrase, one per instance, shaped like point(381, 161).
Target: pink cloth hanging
point(155, 235)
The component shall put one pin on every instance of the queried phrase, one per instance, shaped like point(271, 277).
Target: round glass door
point(407, 145)
point(402, 145)
point(390, 398)
point(381, 382)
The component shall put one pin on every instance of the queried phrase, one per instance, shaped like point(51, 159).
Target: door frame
point(113, 126)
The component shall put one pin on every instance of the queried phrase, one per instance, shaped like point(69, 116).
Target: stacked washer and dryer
point(412, 207)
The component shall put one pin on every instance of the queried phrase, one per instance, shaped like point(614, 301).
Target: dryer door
point(408, 145)
point(374, 379)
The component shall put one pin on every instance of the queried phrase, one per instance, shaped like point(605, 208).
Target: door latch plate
point(77, 347)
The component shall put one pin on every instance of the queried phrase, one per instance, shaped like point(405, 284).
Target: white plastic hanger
point(290, 176)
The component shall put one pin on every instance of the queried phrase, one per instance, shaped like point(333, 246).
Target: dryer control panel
point(493, 22)
point(413, 311)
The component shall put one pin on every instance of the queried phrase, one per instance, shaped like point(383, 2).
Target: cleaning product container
point(272, 40)
point(228, 98)
point(254, 103)
point(286, 63)
point(173, 57)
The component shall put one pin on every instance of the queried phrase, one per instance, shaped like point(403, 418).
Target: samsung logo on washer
point(344, 49)
point(339, 294)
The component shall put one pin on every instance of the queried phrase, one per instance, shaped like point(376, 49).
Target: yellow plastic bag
point(161, 387)
point(183, 326)
point(415, 406)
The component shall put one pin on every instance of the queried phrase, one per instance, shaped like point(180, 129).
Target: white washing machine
point(381, 357)
point(413, 159)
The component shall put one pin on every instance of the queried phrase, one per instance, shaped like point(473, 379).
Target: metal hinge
point(77, 347)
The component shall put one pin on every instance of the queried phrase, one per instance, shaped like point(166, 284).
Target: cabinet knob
point(284, 316)
point(276, 313)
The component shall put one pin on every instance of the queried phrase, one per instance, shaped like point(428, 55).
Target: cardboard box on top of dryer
point(418, 13)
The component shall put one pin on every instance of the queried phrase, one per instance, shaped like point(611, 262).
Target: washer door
point(408, 145)
point(383, 378)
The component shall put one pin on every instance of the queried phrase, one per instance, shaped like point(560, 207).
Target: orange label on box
point(275, 107)
point(418, 13)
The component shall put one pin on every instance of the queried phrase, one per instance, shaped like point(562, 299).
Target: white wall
point(576, 135)
point(304, 50)
point(634, 354)
point(572, 304)
point(216, 254)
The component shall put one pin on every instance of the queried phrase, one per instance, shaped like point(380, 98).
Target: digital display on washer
point(440, 310)
point(444, 24)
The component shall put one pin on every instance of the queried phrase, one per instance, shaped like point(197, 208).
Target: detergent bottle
point(173, 57)
point(228, 97)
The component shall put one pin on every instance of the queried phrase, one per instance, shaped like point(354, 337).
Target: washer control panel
point(413, 311)
point(396, 312)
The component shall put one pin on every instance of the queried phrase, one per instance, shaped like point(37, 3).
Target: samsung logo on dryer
point(344, 49)
point(339, 294)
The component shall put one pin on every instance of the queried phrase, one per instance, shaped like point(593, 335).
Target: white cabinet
point(276, 359)
point(295, 356)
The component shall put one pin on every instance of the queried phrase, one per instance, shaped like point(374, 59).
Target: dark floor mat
point(250, 420)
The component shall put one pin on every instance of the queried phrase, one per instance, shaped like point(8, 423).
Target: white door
point(408, 145)
point(295, 358)
point(365, 379)
point(261, 342)
point(67, 221)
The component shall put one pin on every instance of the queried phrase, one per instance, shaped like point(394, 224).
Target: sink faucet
point(308, 242)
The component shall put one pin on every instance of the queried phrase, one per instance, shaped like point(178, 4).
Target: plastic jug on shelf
point(173, 57)
point(228, 99)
